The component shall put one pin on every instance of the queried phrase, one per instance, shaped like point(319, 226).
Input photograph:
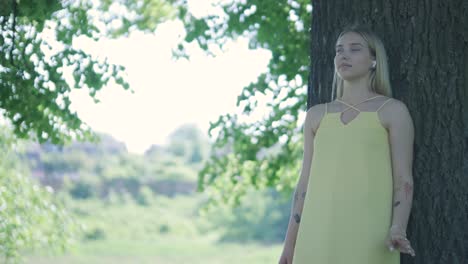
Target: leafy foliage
point(39, 65)
point(143, 15)
point(36, 77)
point(238, 161)
point(30, 215)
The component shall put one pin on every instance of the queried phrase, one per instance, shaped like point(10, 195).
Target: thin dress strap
point(383, 104)
point(353, 106)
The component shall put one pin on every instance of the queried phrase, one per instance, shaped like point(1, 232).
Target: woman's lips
point(344, 66)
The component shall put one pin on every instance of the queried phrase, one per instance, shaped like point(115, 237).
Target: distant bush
point(112, 198)
point(164, 229)
point(82, 190)
point(121, 185)
point(95, 234)
point(126, 197)
point(145, 196)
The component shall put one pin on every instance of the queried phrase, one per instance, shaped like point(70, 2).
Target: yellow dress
point(348, 205)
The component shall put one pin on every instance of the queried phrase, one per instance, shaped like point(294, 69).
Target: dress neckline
point(354, 105)
point(356, 118)
point(340, 113)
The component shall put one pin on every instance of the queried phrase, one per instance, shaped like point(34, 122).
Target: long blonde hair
point(379, 78)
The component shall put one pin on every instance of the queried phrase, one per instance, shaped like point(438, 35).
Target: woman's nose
point(342, 56)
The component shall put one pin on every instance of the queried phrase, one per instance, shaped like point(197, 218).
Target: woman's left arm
point(401, 137)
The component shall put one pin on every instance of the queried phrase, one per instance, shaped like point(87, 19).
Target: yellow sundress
point(348, 205)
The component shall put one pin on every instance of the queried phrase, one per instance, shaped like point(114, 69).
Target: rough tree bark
point(426, 42)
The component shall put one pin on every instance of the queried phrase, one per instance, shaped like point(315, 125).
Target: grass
point(167, 231)
point(169, 250)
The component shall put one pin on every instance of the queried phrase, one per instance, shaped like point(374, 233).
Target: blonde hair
point(379, 78)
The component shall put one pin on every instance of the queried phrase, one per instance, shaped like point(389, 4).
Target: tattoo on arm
point(297, 217)
point(408, 189)
point(296, 196)
point(396, 204)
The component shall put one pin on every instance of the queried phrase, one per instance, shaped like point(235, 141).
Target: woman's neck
point(356, 91)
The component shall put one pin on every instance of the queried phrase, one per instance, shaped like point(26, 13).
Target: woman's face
point(353, 59)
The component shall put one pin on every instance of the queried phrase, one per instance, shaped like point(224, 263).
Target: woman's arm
point(301, 188)
point(401, 137)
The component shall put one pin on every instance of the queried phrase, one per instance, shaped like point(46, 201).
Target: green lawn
point(167, 231)
point(176, 250)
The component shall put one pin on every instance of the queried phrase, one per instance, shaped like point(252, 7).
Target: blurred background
point(150, 131)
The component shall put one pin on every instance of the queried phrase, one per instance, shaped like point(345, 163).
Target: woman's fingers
point(399, 242)
point(404, 246)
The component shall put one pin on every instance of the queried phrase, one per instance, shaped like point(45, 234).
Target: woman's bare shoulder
point(394, 106)
point(315, 115)
point(394, 112)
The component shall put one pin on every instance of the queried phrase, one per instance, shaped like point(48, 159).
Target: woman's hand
point(396, 239)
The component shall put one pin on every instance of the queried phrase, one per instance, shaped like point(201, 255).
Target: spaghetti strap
point(383, 104)
point(349, 106)
point(353, 106)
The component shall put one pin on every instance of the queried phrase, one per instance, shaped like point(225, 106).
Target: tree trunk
point(426, 42)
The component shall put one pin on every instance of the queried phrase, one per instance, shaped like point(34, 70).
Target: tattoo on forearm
point(296, 196)
point(297, 217)
point(396, 204)
point(408, 189)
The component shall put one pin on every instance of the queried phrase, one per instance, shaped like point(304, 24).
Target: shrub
point(30, 215)
point(95, 234)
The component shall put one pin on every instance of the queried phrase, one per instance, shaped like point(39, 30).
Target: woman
point(358, 150)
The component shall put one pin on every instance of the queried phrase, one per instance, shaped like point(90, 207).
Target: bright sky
point(168, 93)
